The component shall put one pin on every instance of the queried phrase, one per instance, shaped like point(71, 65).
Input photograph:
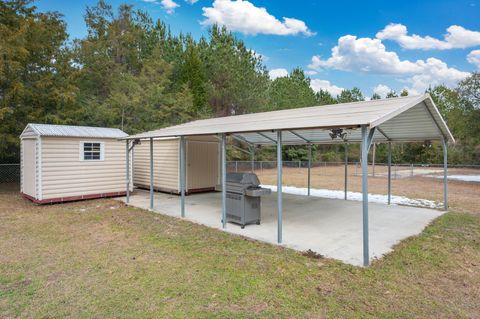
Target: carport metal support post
point(182, 175)
point(445, 173)
point(309, 167)
point(389, 172)
point(224, 180)
point(127, 169)
point(279, 187)
point(151, 173)
point(346, 169)
point(133, 162)
point(252, 151)
point(365, 142)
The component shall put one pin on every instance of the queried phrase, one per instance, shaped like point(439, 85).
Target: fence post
point(236, 166)
point(411, 168)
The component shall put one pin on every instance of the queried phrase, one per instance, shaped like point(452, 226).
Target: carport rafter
point(267, 137)
point(369, 140)
point(383, 133)
point(299, 136)
point(240, 149)
point(241, 139)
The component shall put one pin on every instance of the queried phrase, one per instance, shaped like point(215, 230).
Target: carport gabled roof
point(411, 118)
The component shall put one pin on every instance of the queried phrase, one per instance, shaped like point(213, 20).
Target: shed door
point(202, 165)
point(29, 167)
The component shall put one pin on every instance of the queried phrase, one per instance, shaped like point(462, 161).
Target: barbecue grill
point(243, 198)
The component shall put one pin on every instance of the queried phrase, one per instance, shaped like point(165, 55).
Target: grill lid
point(243, 178)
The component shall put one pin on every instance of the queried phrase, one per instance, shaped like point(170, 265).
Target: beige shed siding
point(165, 165)
point(202, 164)
point(64, 174)
point(28, 169)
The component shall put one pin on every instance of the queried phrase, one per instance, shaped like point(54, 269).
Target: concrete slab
point(331, 227)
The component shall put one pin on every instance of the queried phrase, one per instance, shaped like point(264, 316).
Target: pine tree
point(292, 91)
point(325, 98)
point(353, 95)
point(391, 94)
point(37, 80)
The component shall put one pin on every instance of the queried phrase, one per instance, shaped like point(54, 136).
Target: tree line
point(131, 72)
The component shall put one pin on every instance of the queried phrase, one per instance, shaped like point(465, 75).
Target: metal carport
point(404, 119)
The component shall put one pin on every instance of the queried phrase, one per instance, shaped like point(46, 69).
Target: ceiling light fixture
point(338, 132)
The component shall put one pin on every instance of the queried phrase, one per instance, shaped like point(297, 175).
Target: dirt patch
point(312, 254)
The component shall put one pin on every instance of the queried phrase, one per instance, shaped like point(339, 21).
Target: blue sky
point(377, 45)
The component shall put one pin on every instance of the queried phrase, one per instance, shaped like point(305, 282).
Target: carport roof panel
point(347, 115)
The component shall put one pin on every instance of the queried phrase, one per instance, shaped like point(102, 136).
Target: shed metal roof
point(411, 118)
point(75, 131)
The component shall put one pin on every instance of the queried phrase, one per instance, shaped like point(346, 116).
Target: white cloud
point(317, 85)
point(277, 73)
point(243, 16)
point(434, 72)
point(368, 55)
point(310, 72)
point(364, 55)
point(456, 37)
point(382, 90)
point(191, 1)
point(169, 5)
point(474, 58)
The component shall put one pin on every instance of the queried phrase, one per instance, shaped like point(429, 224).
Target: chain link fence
point(9, 173)
point(353, 169)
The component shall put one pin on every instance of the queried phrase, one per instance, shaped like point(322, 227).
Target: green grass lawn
point(100, 259)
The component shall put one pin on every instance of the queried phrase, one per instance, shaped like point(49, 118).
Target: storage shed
point(202, 164)
point(65, 163)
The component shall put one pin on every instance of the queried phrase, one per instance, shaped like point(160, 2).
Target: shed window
point(92, 151)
